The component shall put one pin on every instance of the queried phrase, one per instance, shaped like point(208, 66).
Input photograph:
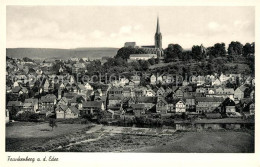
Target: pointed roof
point(158, 26)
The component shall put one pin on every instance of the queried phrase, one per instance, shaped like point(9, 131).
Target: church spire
point(158, 26)
point(158, 36)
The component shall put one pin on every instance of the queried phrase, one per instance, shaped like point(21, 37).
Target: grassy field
point(98, 138)
point(207, 142)
point(24, 136)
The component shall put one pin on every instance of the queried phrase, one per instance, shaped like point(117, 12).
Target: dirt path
point(94, 129)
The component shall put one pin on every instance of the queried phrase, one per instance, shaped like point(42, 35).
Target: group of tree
point(203, 60)
point(199, 53)
point(125, 52)
point(173, 52)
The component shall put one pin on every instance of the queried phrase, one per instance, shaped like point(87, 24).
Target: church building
point(155, 49)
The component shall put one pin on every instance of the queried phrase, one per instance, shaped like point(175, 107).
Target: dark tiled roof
point(246, 101)
point(96, 104)
point(48, 98)
point(74, 109)
point(209, 99)
point(243, 88)
point(31, 100)
point(135, 106)
point(62, 107)
point(118, 97)
point(16, 89)
point(14, 103)
point(146, 99)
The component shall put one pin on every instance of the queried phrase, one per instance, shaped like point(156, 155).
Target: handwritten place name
point(32, 159)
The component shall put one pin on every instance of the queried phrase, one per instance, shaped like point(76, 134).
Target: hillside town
point(130, 79)
point(34, 92)
point(127, 90)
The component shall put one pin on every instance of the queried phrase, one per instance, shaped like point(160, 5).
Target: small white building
point(135, 57)
point(153, 79)
point(180, 106)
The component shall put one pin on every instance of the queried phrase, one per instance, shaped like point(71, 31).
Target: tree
point(52, 123)
point(125, 52)
point(186, 55)
point(151, 61)
point(12, 112)
point(22, 97)
point(172, 52)
point(144, 64)
point(26, 59)
point(219, 49)
point(248, 49)
point(56, 66)
point(34, 117)
point(197, 52)
point(235, 48)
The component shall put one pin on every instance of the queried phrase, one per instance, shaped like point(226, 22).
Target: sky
point(112, 26)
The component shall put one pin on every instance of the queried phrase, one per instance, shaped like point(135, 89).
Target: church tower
point(158, 36)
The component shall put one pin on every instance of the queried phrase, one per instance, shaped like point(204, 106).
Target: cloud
point(113, 35)
point(214, 26)
point(241, 25)
point(125, 30)
point(64, 26)
point(97, 34)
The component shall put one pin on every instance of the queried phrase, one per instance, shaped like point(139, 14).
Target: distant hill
point(48, 53)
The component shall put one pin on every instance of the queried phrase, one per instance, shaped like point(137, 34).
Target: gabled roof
point(31, 100)
point(163, 100)
point(116, 89)
point(14, 103)
point(126, 89)
point(27, 104)
point(209, 99)
point(16, 89)
point(146, 100)
point(74, 109)
point(243, 88)
point(172, 100)
point(89, 92)
point(48, 98)
point(228, 90)
point(137, 106)
point(246, 101)
point(81, 87)
point(189, 95)
point(174, 88)
point(61, 107)
point(75, 99)
point(64, 99)
point(96, 104)
point(115, 97)
point(24, 90)
point(70, 95)
point(102, 98)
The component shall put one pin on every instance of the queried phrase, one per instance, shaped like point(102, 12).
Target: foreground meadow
point(38, 137)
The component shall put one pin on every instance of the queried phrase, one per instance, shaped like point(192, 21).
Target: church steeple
point(158, 26)
point(158, 36)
